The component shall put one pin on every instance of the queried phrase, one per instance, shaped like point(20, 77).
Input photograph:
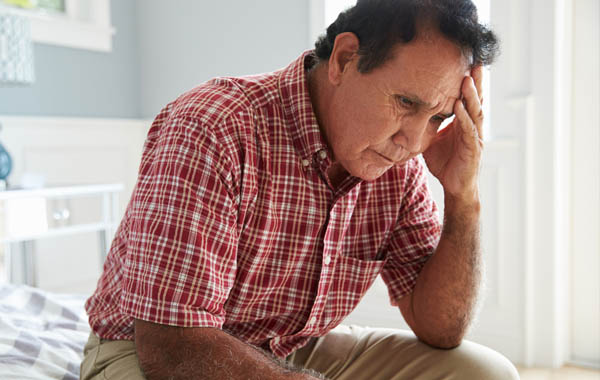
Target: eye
point(404, 101)
point(438, 119)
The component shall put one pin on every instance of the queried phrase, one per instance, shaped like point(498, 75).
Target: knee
point(474, 361)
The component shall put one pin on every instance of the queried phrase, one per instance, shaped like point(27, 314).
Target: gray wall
point(186, 42)
point(76, 82)
point(160, 50)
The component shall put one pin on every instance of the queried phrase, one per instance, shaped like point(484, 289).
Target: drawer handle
point(63, 214)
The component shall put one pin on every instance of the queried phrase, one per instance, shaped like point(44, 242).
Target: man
point(267, 205)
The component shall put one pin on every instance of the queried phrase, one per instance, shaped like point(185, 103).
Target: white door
point(585, 192)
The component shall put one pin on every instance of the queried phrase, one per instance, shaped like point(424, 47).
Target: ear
point(345, 49)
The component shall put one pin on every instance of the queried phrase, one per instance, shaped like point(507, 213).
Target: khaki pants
point(345, 353)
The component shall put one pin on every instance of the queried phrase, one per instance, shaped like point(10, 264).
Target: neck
point(320, 95)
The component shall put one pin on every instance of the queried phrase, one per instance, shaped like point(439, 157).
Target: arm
point(441, 306)
point(166, 352)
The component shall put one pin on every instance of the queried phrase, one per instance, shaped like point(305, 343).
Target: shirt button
point(323, 154)
point(305, 163)
point(327, 260)
point(313, 320)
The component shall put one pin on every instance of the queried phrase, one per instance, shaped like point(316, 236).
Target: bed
point(42, 334)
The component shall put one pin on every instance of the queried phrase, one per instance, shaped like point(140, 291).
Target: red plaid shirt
point(233, 224)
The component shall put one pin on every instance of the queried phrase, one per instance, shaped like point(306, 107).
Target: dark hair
point(381, 24)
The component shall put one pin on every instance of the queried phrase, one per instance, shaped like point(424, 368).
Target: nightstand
point(29, 215)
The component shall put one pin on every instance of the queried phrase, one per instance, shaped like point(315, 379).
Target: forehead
point(430, 66)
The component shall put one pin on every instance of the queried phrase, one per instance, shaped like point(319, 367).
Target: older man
point(267, 205)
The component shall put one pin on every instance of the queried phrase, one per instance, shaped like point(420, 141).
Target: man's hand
point(454, 156)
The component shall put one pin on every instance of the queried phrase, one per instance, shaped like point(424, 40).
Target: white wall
point(83, 83)
point(161, 49)
point(585, 182)
point(185, 42)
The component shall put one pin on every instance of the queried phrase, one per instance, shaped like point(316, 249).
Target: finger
point(473, 106)
point(477, 74)
point(466, 124)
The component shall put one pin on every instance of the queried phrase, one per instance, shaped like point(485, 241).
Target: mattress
point(42, 334)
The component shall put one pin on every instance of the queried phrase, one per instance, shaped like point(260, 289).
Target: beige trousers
point(345, 353)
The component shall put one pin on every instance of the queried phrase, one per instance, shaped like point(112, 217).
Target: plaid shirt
point(233, 223)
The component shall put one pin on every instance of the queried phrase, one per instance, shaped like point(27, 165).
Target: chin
point(372, 172)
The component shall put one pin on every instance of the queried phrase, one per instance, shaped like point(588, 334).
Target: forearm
point(446, 293)
point(218, 356)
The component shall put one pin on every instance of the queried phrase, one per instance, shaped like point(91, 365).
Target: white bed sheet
point(42, 334)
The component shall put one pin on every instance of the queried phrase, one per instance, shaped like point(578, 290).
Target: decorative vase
point(5, 164)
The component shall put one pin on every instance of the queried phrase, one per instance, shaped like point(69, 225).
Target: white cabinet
point(56, 238)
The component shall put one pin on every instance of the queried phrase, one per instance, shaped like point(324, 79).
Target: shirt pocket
point(351, 279)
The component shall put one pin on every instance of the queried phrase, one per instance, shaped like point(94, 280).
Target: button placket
point(330, 235)
point(326, 269)
point(322, 290)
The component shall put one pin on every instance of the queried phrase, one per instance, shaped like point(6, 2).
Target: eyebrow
point(415, 99)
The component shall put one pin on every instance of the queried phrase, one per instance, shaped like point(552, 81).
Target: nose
point(411, 134)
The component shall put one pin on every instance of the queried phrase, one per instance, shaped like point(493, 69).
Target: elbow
point(447, 343)
point(443, 341)
point(445, 334)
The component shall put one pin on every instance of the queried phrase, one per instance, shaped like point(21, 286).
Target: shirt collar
point(298, 109)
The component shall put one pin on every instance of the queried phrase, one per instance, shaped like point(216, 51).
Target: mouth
point(389, 161)
point(385, 158)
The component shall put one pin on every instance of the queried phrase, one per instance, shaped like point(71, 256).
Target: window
point(83, 24)
point(52, 5)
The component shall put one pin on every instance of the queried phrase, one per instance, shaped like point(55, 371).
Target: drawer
point(69, 212)
point(32, 217)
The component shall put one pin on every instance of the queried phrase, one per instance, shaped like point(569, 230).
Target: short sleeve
point(181, 252)
point(415, 236)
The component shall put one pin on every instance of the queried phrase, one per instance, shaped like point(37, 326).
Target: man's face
point(388, 116)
